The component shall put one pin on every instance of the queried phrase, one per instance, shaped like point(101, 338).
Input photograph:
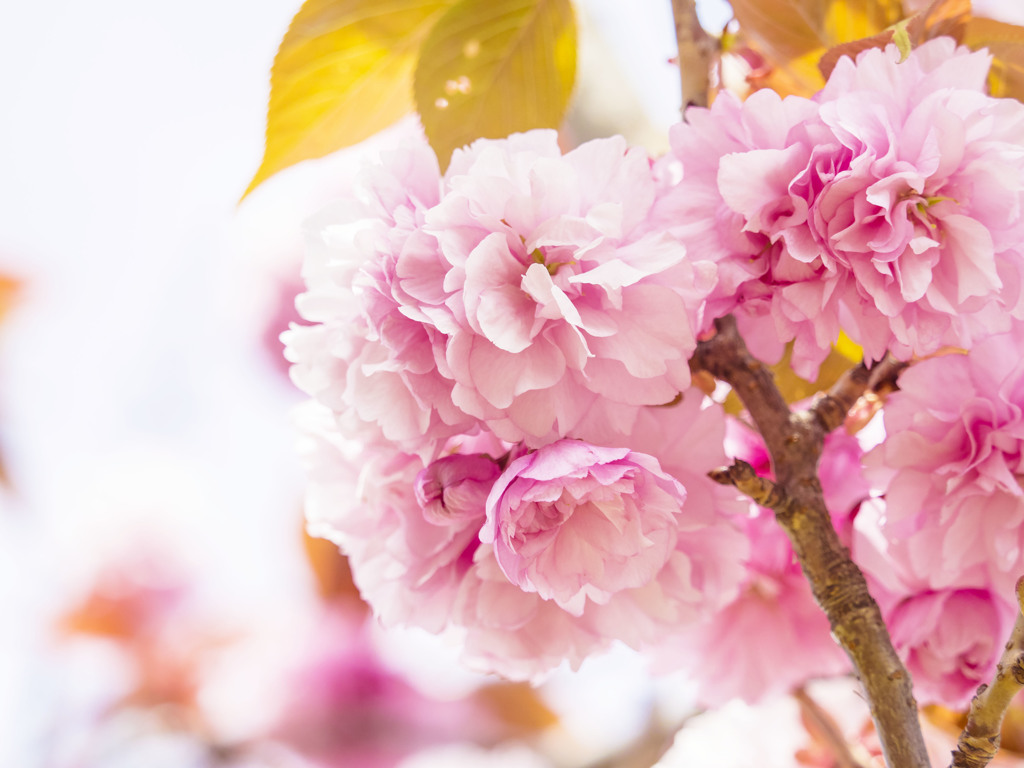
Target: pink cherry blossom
point(345, 708)
point(609, 538)
point(951, 464)
point(948, 627)
point(926, 208)
point(563, 311)
point(370, 355)
point(951, 641)
point(775, 603)
point(891, 204)
point(409, 530)
point(738, 203)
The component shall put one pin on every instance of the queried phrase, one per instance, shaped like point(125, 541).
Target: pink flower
point(948, 626)
point(925, 210)
point(575, 521)
point(951, 464)
point(563, 312)
point(891, 204)
point(409, 531)
point(370, 355)
point(739, 202)
point(951, 641)
point(774, 603)
point(345, 708)
point(607, 536)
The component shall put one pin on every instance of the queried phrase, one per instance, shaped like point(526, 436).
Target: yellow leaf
point(840, 359)
point(493, 67)
point(343, 73)
point(794, 34)
point(1006, 44)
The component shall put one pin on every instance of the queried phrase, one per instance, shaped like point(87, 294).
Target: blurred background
point(159, 603)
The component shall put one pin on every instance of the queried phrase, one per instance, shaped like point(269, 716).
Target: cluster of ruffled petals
point(774, 603)
point(949, 631)
point(493, 358)
point(952, 462)
point(890, 204)
point(562, 311)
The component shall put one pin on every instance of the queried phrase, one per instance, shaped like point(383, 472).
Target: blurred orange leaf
point(1006, 43)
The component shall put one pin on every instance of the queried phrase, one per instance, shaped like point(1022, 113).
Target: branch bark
point(794, 442)
point(696, 47)
point(979, 742)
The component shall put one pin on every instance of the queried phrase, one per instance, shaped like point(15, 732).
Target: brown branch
point(696, 47)
point(979, 742)
point(794, 443)
point(832, 408)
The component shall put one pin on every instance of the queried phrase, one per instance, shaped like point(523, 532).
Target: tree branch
point(696, 48)
point(794, 443)
point(979, 742)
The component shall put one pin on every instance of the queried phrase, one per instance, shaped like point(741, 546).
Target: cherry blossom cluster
point(503, 434)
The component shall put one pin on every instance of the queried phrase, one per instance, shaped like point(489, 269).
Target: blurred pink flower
point(409, 531)
point(563, 311)
point(775, 603)
point(370, 354)
point(346, 709)
point(951, 465)
point(951, 641)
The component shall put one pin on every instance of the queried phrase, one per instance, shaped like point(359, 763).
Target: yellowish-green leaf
point(1006, 44)
point(343, 72)
point(794, 34)
point(493, 67)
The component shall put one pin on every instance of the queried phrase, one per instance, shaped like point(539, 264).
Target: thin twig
point(827, 731)
point(696, 47)
point(979, 742)
point(794, 443)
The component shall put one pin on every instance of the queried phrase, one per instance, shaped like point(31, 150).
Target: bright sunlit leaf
point(794, 34)
point(794, 388)
point(1006, 43)
point(343, 73)
point(491, 68)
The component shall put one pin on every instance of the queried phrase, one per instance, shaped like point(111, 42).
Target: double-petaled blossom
point(951, 465)
point(369, 355)
point(948, 629)
point(890, 204)
point(410, 531)
point(604, 541)
point(563, 311)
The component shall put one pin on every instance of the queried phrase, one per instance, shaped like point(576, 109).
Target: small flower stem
point(795, 442)
point(979, 741)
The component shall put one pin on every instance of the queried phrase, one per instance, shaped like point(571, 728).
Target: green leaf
point(343, 73)
point(493, 67)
